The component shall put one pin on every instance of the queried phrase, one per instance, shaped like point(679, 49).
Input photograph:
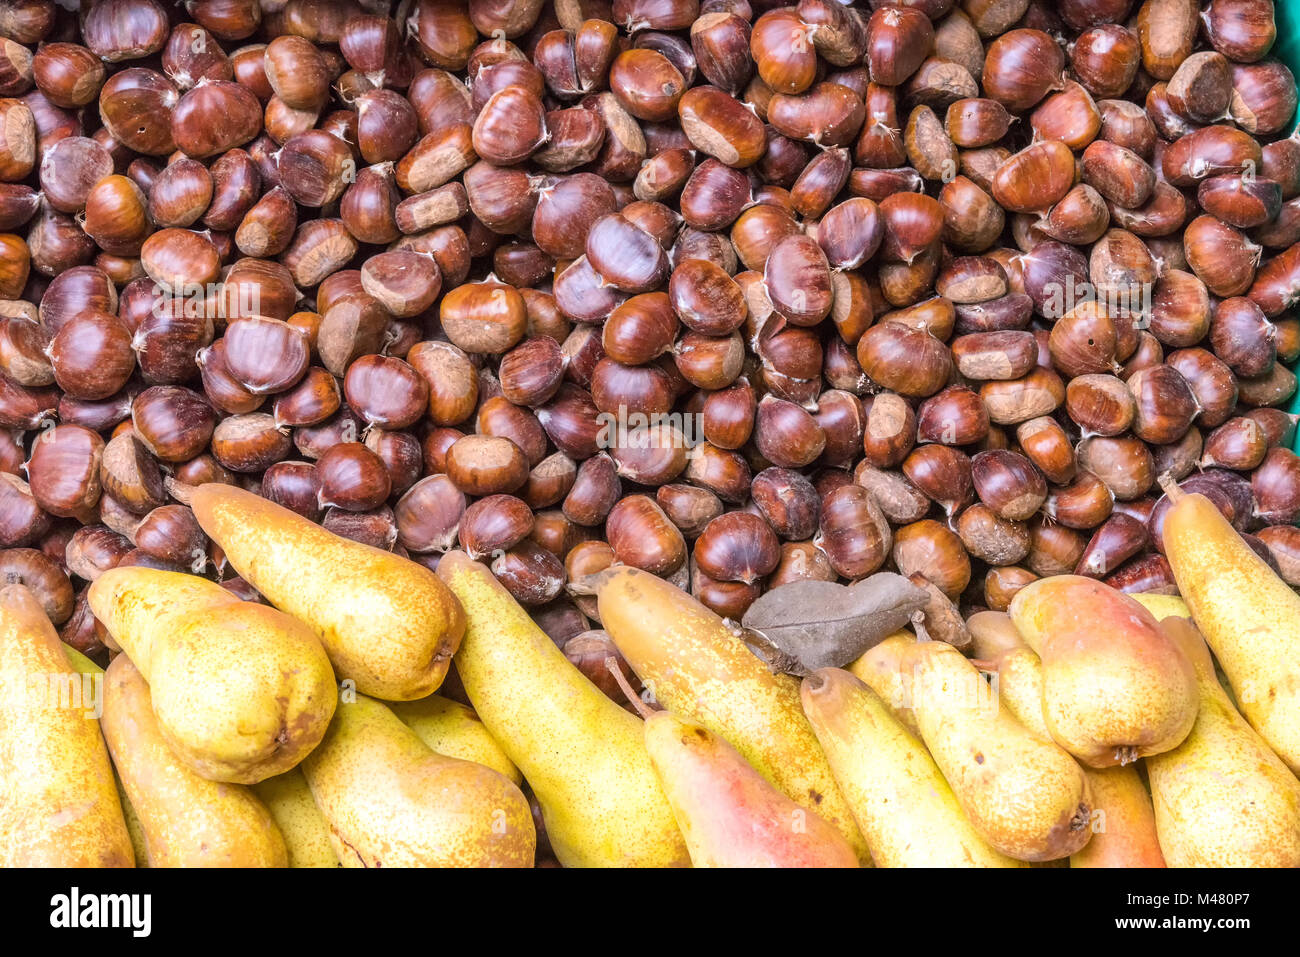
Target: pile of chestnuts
point(733, 292)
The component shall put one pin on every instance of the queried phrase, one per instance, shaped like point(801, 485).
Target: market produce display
point(648, 433)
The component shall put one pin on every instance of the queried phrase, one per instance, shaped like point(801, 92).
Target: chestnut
point(171, 533)
point(386, 392)
point(181, 193)
point(91, 356)
point(174, 423)
point(1008, 483)
point(266, 356)
point(1283, 541)
point(63, 470)
point(1100, 404)
point(94, 549)
point(788, 501)
point(1021, 67)
point(352, 478)
point(1124, 464)
point(955, 416)
point(429, 514)
point(786, 434)
point(649, 455)
point(1164, 404)
point(1276, 484)
point(22, 520)
point(898, 39)
point(1002, 583)
point(853, 532)
point(250, 442)
point(737, 546)
point(532, 574)
point(781, 46)
point(925, 370)
point(376, 528)
point(484, 317)
point(294, 485)
point(641, 535)
point(942, 473)
point(486, 465)
point(119, 30)
point(688, 507)
point(46, 580)
point(930, 549)
point(991, 538)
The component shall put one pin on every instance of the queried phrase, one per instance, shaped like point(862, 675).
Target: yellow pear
point(1115, 688)
point(387, 623)
point(306, 832)
point(60, 806)
point(899, 798)
point(392, 802)
point(1123, 824)
point(730, 815)
point(188, 821)
point(1222, 797)
point(698, 667)
point(453, 729)
point(1163, 606)
point(1248, 615)
point(881, 669)
point(1025, 795)
point(583, 755)
point(242, 692)
point(84, 666)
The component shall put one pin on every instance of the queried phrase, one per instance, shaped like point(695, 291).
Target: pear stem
point(918, 625)
point(1172, 489)
point(986, 665)
point(611, 665)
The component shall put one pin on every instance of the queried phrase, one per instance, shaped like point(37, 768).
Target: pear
point(60, 806)
point(306, 832)
point(392, 802)
point(582, 754)
point(1000, 649)
point(188, 821)
point(387, 623)
point(1249, 616)
point(1163, 606)
point(241, 691)
point(1123, 824)
point(1222, 798)
point(1025, 795)
point(901, 801)
point(728, 812)
point(881, 669)
point(453, 729)
point(1115, 688)
point(699, 667)
point(84, 666)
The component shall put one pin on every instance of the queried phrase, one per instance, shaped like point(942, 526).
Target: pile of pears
point(1088, 727)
